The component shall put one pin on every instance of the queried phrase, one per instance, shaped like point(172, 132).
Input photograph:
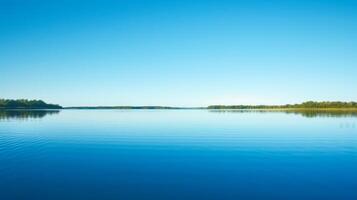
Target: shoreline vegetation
point(309, 105)
point(26, 104)
point(8, 104)
point(23, 109)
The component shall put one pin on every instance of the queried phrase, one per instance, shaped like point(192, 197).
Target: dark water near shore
point(177, 154)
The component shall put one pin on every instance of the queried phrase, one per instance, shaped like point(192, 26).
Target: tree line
point(39, 104)
point(26, 104)
point(305, 105)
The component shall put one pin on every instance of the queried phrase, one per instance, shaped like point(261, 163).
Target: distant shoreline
point(183, 108)
point(309, 105)
point(289, 109)
point(134, 108)
point(23, 104)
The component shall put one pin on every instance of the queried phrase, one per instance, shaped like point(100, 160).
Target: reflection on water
point(177, 154)
point(311, 113)
point(304, 113)
point(35, 114)
point(25, 114)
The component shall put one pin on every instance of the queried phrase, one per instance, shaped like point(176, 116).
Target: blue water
point(177, 154)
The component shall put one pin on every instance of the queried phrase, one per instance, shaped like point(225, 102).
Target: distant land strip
point(130, 107)
point(26, 104)
point(309, 105)
point(305, 105)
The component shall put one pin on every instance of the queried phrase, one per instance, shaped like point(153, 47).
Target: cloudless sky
point(178, 53)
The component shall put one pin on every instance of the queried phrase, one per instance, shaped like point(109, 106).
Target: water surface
point(177, 154)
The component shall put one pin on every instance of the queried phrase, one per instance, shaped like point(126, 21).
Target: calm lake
point(177, 154)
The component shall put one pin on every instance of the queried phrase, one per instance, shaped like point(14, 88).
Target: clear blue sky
point(179, 53)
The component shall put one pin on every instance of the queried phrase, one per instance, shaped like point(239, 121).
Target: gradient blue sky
point(179, 53)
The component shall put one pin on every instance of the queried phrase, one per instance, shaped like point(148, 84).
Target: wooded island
point(26, 104)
